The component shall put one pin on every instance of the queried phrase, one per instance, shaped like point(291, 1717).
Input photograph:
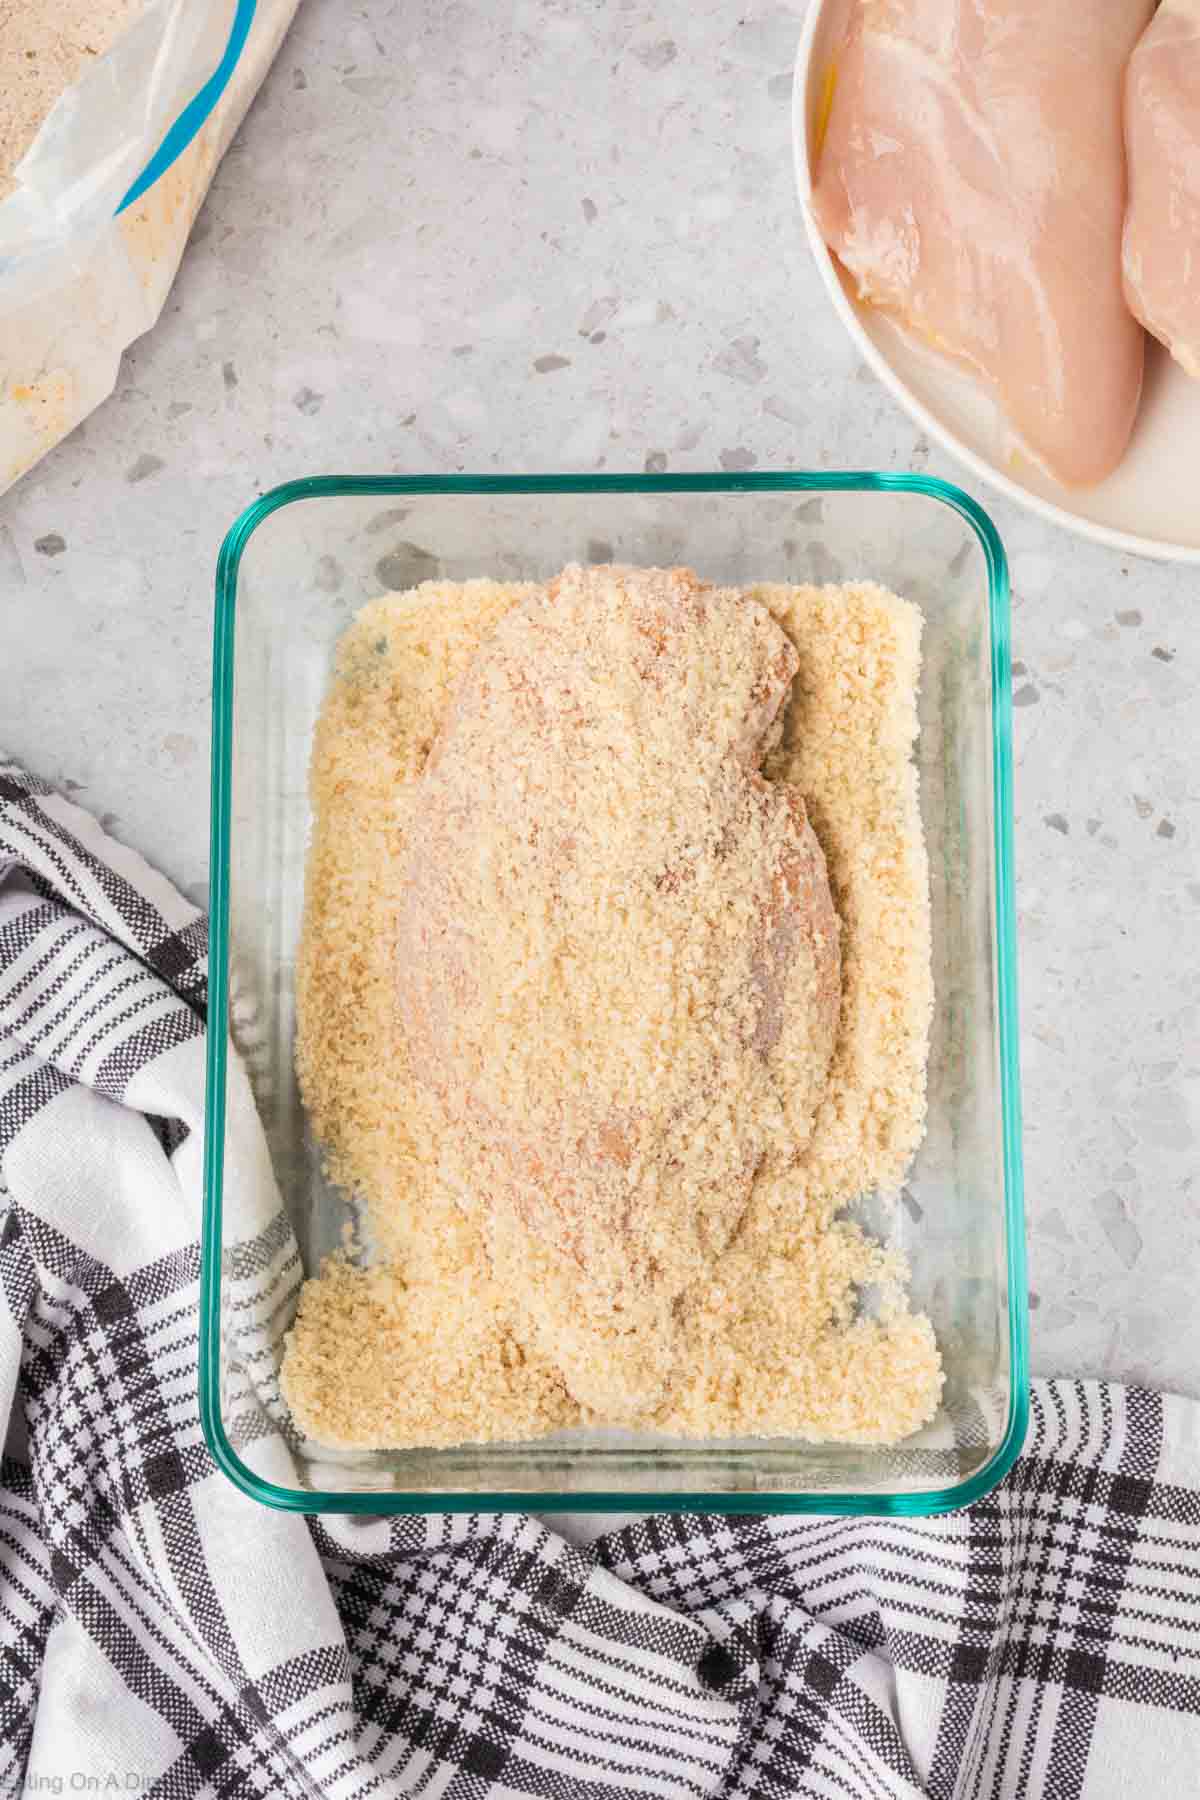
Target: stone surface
point(548, 236)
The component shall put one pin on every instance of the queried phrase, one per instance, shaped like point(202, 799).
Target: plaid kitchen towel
point(161, 1634)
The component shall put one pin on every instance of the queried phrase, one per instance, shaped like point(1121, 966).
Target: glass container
point(293, 571)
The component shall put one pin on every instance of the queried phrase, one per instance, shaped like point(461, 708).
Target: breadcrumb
point(45, 46)
point(431, 1344)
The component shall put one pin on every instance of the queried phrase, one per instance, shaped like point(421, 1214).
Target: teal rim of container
point(939, 1500)
point(192, 119)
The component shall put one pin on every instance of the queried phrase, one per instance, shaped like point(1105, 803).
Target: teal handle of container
point(198, 107)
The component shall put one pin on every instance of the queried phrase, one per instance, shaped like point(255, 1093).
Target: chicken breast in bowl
point(1162, 225)
point(971, 181)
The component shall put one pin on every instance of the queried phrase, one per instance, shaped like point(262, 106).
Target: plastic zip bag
point(106, 196)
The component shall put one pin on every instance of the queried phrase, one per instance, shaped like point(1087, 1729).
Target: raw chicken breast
point(618, 958)
point(972, 181)
point(1162, 140)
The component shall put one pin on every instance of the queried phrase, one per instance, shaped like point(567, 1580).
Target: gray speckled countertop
point(546, 236)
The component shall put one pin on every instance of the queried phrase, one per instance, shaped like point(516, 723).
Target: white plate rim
point(1130, 543)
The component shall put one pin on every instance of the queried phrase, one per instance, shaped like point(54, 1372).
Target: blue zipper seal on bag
point(197, 110)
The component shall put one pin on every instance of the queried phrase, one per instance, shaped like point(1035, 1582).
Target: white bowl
point(1149, 506)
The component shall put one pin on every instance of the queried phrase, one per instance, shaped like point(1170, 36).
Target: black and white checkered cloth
point(161, 1634)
